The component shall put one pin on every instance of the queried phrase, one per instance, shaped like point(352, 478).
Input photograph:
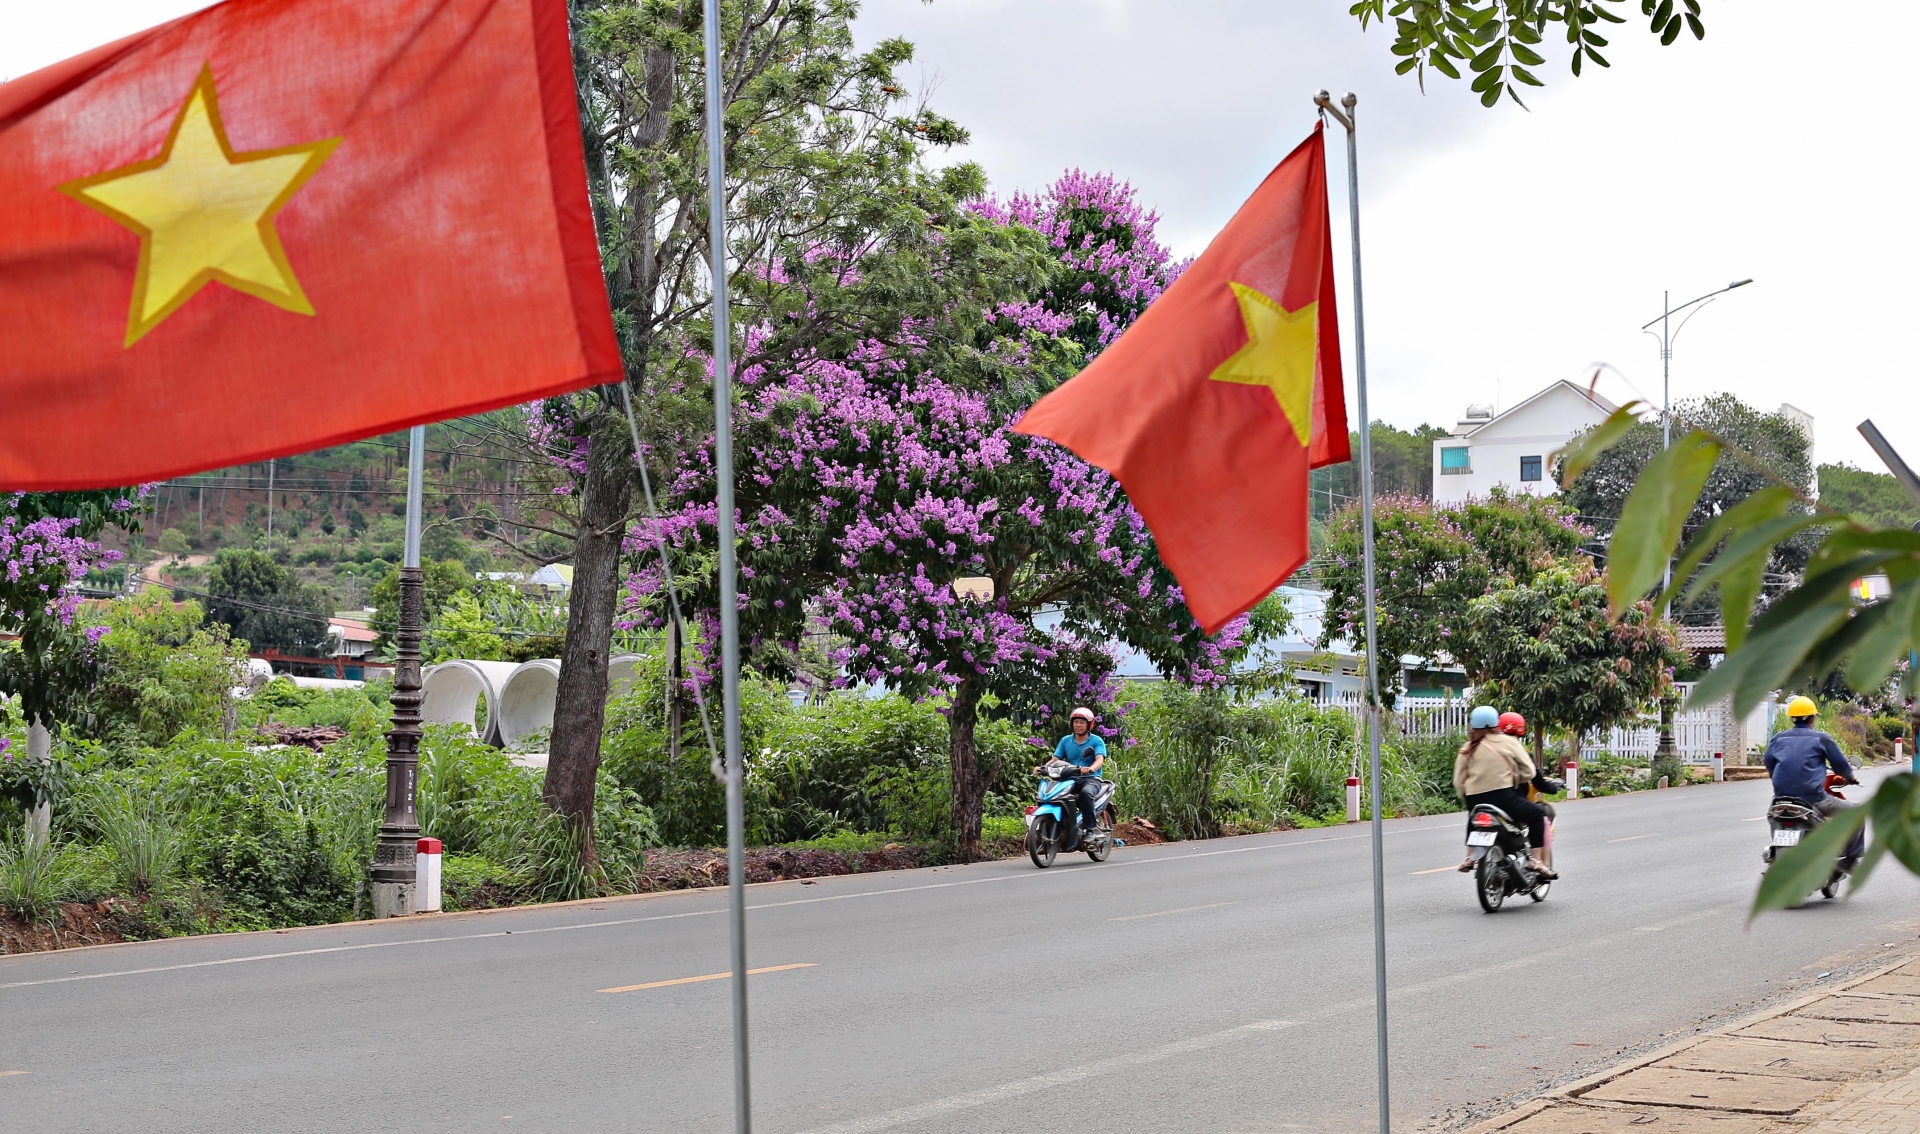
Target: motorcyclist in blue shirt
point(1083, 748)
point(1799, 758)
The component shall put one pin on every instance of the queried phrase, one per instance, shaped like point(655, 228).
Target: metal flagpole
point(729, 614)
point(1325, 102)
point(393, 856)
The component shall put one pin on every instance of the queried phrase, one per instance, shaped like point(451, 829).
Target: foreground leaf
point(1655, 514)
point(1580, 453)
point(1801, 870)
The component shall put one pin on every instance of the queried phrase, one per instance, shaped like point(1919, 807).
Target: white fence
point(1697, 733)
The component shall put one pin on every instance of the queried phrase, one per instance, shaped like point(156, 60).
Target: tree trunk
point(969, 786)
point(39, 751)
point(580, 704)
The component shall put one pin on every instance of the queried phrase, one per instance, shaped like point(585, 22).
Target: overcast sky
point(1503, 249)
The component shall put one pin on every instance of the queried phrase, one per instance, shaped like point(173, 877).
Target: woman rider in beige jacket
point(1493, 767)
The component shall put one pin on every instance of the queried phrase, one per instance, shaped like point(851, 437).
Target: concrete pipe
point(451, 693)
point(622, 669)
point(527, 700)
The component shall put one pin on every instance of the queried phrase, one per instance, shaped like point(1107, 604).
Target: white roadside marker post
point(1353, 799)
point(426, 876)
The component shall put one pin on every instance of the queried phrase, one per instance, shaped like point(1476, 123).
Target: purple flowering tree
point(48, 543)
point(877, 466)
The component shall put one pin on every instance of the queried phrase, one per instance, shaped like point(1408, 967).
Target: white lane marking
point(988, 1095)
point(1435, 870)
point(655, 917)
point(1164, 913)
point(922, 1112)
point(1631, 838)
point(1755, 819)
point(4, 1074)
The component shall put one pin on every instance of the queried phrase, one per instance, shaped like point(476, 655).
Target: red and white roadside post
point(1353, 799)
point(426, 876)
point(1719, 767)
point(1573, 779)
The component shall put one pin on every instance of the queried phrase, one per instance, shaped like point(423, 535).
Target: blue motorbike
point(1053, 822)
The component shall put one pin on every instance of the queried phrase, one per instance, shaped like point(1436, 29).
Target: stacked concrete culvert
point(451, 693)
point(520, 697)
point(527, 700)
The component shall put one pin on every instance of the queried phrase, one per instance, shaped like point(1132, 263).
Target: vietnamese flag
point(1213, 406)
point(275, 225)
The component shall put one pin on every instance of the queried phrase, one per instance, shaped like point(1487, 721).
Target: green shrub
point(272, 868)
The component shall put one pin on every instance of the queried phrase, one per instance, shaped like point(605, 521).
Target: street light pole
point(1666, 750)
point(393, 856)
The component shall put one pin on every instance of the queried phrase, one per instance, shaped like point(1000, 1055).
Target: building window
point(1453, 462)
point(1529, 468)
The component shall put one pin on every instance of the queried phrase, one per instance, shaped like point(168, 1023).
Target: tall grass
point(32, 874)
point(146, 840)
point(1202, 763)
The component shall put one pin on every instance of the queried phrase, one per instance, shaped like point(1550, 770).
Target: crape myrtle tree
point(1547, 650)
point(817, 142)
point(48, 543)
point(1431, 562)
point(877, 464)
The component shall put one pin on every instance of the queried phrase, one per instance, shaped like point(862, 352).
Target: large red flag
point(280, 224)
point(1213, 406)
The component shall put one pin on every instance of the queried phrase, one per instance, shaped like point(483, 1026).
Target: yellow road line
point(1435, 870)
point(709, 976)
point(1163, 913)
point(1631, 838)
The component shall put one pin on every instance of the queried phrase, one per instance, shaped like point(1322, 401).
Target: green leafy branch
point(1817, 628)
point(1495, 39)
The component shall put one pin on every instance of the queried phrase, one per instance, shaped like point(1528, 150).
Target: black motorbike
point(1502, 858)
point(1788, 821)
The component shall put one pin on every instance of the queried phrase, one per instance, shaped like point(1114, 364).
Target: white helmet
point(1081, 713)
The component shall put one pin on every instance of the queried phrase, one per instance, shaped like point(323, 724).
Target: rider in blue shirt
point(1084, 749)
point(1798, 760)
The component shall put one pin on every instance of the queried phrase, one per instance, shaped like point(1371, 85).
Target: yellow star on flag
point(204, 213)
point(1280, 352)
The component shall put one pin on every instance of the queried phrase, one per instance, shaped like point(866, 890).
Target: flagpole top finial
point(1349, 100)
point(1323, 99)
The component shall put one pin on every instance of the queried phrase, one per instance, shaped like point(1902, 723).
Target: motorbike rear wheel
point(1100, 847)
point(1490, 882)
point(1042, 844)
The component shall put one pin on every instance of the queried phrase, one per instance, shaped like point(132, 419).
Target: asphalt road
point(1223, 986)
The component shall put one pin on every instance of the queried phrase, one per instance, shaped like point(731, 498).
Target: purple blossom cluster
point(43, 559)
point(872, 477)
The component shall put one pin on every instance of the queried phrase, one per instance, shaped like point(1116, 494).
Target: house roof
point(350, 631)
point(1600, 403)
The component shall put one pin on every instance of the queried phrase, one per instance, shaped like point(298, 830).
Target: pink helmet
point(1081, 713)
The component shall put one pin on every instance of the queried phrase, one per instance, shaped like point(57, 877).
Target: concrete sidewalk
point(1842, 1062)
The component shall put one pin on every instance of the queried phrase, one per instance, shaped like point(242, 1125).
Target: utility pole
point(269, 507)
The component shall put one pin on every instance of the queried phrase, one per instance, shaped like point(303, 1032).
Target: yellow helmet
point(1802, 707)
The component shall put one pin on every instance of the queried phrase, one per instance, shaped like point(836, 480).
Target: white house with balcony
point(1514, 449)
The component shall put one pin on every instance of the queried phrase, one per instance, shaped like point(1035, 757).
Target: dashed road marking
point(710, 976)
